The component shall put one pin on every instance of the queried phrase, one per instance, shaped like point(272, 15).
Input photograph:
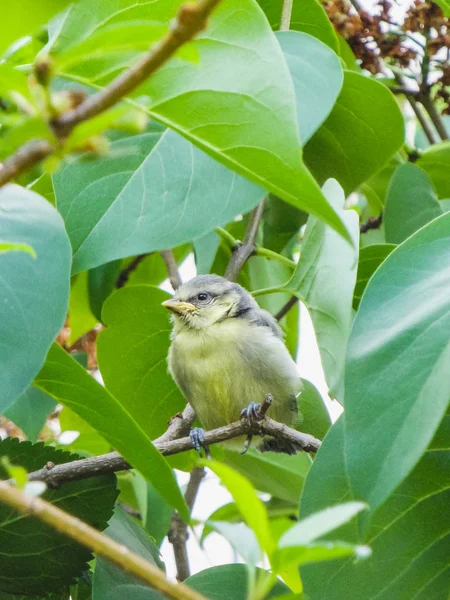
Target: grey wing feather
point(262, 318)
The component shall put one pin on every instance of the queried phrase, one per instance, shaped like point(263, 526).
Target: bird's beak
point(179, 307)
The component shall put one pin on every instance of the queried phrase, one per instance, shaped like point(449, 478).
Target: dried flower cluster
point(375, 38)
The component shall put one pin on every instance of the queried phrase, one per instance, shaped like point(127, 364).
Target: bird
point(227, 354)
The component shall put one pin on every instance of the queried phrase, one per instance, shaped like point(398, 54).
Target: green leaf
point(205, 249)
point(365, 115)
point(317, 77)
point(410, 546)
point(81, 318)
point(228, 582)
point(308, 16)
point(157, 516)
point(411, 203)
point(407, 309)
point(324, 281)
point(280, 475)
point(445, 5)
point(315, 418)
point(30, 411)
point(28, 543)
point(34, 291)
point(242, 540)
point(64, 379)
point(165, 184)
point(281, 223)
point(250, 506)
point(88, 441)
point(101, 284)
point(132, 354)
point(242, 72)
point(109, 580)
point(319, 524)
point(370, 258)
point(436, 162)
point(24, 17)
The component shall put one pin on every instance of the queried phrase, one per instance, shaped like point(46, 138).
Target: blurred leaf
point(406, 308)
point(229, 582)
point(34, 292)
point(132, 354)
point(64, 379)
point(44, 186)
point(307, 15)
point(205, 249)
point(242, 540)
point(410, 546)
point(250, 506)
point(281, 475)
point(111, 581)
point(365, 115)
point(317, 77)
point(101, 284)
point(324, 280)
point(81, 318)
point(436, 162)
point(12, 138)
point(315, 418)
point(319, 524)
point(24, 17)
point(89, 441)
point(30, 411)
point(376, 187)
point(28, 543)
point(411, 203)
point(165, 184)
point(152, 269)
point(158, 515)
point(370, 258)
point(346, 54)
point(281, 223)
point(252, 128)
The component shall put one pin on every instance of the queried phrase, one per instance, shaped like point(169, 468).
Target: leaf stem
point(286, 13)
point(96, 541)
point(260, 251)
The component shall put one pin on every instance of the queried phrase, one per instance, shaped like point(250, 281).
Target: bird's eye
point(202, 296)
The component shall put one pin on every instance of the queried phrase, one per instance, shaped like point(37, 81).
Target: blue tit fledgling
point(227, 352)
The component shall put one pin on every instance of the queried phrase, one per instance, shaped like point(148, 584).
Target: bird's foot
point(197, 436)
point(254, 413)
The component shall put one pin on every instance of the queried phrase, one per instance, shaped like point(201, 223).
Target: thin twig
point(26, 157)
point(286, 13)
point(190, 20)
point(178, 533)
point(412, 99)
point(371, 223)
point(241, 252)
point(124, 275)
point(435, 117)
point(112, 462)
point(172, 268)
point(286, 308)
point(97, 542)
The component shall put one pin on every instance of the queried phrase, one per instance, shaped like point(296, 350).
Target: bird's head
point(206, 300)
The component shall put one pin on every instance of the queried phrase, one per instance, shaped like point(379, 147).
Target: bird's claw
point(197, 436)
point(252, 412)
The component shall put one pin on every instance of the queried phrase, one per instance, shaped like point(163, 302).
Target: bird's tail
point(280, 445)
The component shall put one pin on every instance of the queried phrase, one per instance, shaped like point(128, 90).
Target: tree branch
point(26, 157)
point(286, 308)
point(124, 275)
point(435, 117)
point(190, 20)
point(178, 533)
point(241, 253)
point(95, 541)
point(111, 462)
point(172, 268)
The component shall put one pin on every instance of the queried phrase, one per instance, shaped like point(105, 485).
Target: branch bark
point(241, 253)
point(96, 541)
point(167, 445)
point(190, 20)
point(172, 268)
point(178, 533)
